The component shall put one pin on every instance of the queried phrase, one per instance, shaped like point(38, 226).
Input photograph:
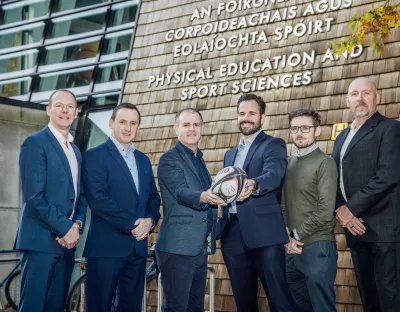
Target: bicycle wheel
point(76, 300)
point(12, 289)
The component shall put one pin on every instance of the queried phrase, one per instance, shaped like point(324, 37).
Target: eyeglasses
point(303, 129)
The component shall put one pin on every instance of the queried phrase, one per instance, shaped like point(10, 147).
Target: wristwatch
point(78, 225)
point(293, 234)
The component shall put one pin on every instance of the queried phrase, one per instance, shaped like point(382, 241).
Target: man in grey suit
point(187, 232)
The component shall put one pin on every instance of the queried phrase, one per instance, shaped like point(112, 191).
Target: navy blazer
point(48, 193)
point(115, 203)
point(260, 217)
point(184, 225)
point(371, 176)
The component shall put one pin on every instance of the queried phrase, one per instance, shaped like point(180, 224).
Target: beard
point(362, 114)
point(300, 145)
point(249, 131)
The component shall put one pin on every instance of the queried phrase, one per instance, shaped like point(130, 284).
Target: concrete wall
point(16, 123)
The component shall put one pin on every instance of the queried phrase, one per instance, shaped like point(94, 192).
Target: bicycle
point(76, 298)
point(12, 282)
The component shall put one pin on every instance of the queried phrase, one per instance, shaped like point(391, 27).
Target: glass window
point(123, 15)
point(16, 64)
point(104, 99)
point(110, 76)
point(116, 45)
point(24, 10)
point(17, 88)
point(77, 25)
point(77, 80)
point(64, 5)
point(26, 35)
point(70, 54)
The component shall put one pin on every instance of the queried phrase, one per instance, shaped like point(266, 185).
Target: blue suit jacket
point(115, 203)
point(184, 226)
point(48, 193)
point(260, 217)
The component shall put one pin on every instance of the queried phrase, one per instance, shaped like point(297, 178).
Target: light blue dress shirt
point(130, 160)
point(243, 149)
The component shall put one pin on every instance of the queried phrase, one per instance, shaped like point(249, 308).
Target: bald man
point(367, 155)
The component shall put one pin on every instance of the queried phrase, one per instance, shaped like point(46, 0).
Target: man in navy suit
point(125, 204)
point(367, 156)
point(53, 210)
point(187, 232)
point(252, 230)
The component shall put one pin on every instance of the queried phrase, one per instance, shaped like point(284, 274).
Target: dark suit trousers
point(120, 277)
point(183, 280)
point(45, 280)
point(246, 265)
point(377, 267)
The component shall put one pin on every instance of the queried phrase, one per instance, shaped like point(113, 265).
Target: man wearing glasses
point(308, 204)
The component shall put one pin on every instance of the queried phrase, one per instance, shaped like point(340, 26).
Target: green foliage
point(375, 25)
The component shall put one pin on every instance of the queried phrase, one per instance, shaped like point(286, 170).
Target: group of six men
point(281, 229)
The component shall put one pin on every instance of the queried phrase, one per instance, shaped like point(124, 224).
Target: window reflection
point(15, 88)
point(64, 5)
point(24, 10)
point(76, 24)
point(64, 80)
point(110, 76)
point(105, 99)
point(67, 55)
point(21, 36)
point(22, 63)
point(117, 44)
point(123, 13)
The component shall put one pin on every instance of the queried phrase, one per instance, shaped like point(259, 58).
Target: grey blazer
point(184, 225)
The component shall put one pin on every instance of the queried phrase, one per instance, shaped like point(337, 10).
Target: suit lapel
point(366, 128)
point(188, 161)
point(256, 143)
point(121, 162)
point(79, 161)
point(230, 157)
point(141, 171)
point(60, 152)
point(339, 143)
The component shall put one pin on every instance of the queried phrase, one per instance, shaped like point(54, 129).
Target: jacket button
point(204, 219)
point(72, 200)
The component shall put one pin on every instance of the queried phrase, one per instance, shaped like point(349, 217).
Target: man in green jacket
point(308, 204)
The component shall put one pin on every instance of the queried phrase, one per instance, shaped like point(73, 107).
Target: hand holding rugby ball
point(229, 184)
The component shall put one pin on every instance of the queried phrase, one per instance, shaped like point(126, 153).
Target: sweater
point(309, 195)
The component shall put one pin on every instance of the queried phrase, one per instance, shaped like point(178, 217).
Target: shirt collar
point(58, 134)
point(353, 125)
point(120, 147)
point(189, 151)
point(249, 141)
point(298, 152)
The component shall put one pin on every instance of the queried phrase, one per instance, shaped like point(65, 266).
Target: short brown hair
point(127, 106)
point(308, 112)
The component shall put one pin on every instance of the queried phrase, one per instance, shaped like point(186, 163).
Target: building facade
point(167, 55)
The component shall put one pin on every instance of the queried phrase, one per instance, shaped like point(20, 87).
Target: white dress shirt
point(69, 152)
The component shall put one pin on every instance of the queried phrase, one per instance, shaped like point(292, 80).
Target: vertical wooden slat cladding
point(153, 55)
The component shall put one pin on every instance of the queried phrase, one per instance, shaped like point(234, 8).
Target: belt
point(233, 217)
